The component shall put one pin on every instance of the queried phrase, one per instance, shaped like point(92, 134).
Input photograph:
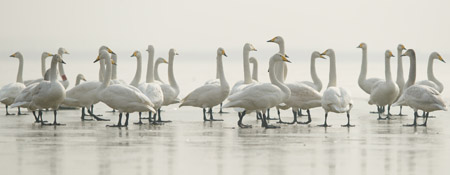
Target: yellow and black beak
point(113, 62)
point(321, 56)
point(13, 55)
point(62, 61)
point(390, 54)
point(110, 51)
point(98, 59)
point(165, 61)
point(272, 40)
point(285, 59)
point(134, 54)
point(49, 54)
point(440, 58)
point(84, 79)
point(223, 53)
point(360, 46)
point(324, 53)
point(403, 47)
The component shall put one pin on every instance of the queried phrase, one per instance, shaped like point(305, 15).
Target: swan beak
point(440, 58)
point(286, 55)
point(165, 61)
point(13, 55)
point(324, 53)
point(84, 79)
point(65, 52)
point(176, 54)
point(321, 56)
point(62, 61)
point(285, 59)
point(134, 54)
point(390, 54)
point(272, 40)
point(404, 54)
point(113, 62)
point(403, 47)
point(49, 54)
point(224, 54)
point(110, 51)
point(98, 59)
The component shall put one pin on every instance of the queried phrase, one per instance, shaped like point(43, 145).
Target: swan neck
point(61, 71)
point(108, 71)
point(223, 81)
point(155, 72)
point(150, 77)
point(363, 73)
point(314, 76)
point(19, 78)
point(430, 73)
point(399, 66)
point(77, 82)
point(281, 46)
point(101, 72)
point(255, 71)
point(114, 67)
point(43, 68)
point(412, 71)
point(247, 76)
point(137, 75)
point(332, 76)
point(387, 69)
point(274, 80)
point(53, 76)
point(171, 76)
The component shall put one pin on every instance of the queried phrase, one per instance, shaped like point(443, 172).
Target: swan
point(10, 91)
point(44, 56)
point(421, 97)
point(121, 97)
point(170, 90)
point(114, 79)
point(400, 79)
point(261, 96)
point(155, 71)
point(303, 96)
point(384, 92)
point(254, 61)
point(247, 77)
point(432, 81)
point(335, 99)
point(84, 95)
point(47, 94)
point(209, 95)
point(364, 83)
point(79, 78)
point(64, 82)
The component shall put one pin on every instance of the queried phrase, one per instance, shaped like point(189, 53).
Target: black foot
point(373, 112)
point(281, 122)
point(244, 126)
point(324, 125)
point(10, 114)
point(164, 121)
point(379, 118)
point(304, 123)
point(271, 118)
point(157, 123)
point(422, 124)
point(85, 119)
point(216, 120)
point(410, 125)
point(38, 121)
point(53, 124)
point(22, 113)
point(348, 125)
point(271, 127)
point(138, 123)
point(116, 126)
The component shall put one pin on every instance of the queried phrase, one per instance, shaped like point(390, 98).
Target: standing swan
point(209, 95)
point(432, 81)
point(335, 99)
point(384, 92)
point(261, 96)
point(43, 69)
point(121, 97)
point(400, 79)
point(10, 91)
point(170, 90)
point(364, 83)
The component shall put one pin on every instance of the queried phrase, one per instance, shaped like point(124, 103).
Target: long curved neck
point(412, 71)
point(77, 81)
point(279, 70)
point(363, 73)
point(332, 76)
point(137, 75)
point(247, 76)
point(155, 72)
point(53, 76)
point(43, 68)
point(108, 72)
point(314, 76)
point(400, 66)
point(61, 72)
point(217, 70)
point(171, 76)
point(223, 81)
point(430, 73)
point(114, 67)
point(255, 71)
point(274, 80)
point(19, 78)
point(387, 69)
point(150, 77)
point(101, 72)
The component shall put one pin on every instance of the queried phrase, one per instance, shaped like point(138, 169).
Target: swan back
point(420, 97)
point(336, 99)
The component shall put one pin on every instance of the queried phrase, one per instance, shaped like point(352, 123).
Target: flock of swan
point(245, 96)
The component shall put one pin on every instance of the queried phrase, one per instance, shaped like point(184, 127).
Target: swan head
point(409, 53)
point(150, 48)
point(103, 55)
point(161, 60)
point(388, 54)
point(81, 77)
point(362, 45)
point(277, 39)
point(107, 49)
point(328, 52)
point(436, 55)
point(136, 54)
point(46, 54)
point(62, 51)
point(317, 54)
point(221, 51)
point(173, 52)
point(16, 55)
point(249, 47)
point(58, 59)
point(252, 60)
point(280, 58)
point(401, 47)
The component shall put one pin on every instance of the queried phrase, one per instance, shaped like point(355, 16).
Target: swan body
point(240, 85)
point(10, 91)
point(364, 83)
point(432, 81)
point(44, 56)
point(385, 92)
point(335, 99)
point(261, 96)
point(209, 95)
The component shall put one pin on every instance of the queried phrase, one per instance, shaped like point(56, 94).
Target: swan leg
point(279, 118)
point(389, 113)
point(268, 115)
point(325, 123)
point(204, 115)
point(294, 112)
point(220, 111)
point(159, 117)
point(211, 116)
point(119, 123)
point(348, 121)
point(309, 118)
point(54, 120)
point(92, 112)
point(426, 119)
point(140, 119)
point(300, 113)
point(83, 114)
point(258, 116)
point(400, 113)
point(380, 111)
point(265, 124)
point(241, 116)
point(19, 113)
point(154, 119)
point(36, 118)
point(127, 115)
point(7, 113)
point(415, 120)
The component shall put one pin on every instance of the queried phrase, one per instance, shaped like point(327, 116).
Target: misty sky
point(198, 25)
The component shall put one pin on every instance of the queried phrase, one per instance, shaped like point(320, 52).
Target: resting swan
point(335, 99)
point(261, 96)
point(10, 91)
point(210, 95)
point(384, 92)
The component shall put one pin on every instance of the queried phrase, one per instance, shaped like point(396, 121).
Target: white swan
point(64, 82)
point(432, 81)
point(43, 69)
point(209, 95)
point(316, 83)
point(261, 96)
point(400, 79)
point(79, 78)
point(364, 83)
point(420, 97)
point(384, 92)
point(47, 94)
point(155, 71)
point(85, 95)
point(335, 99)
point(303, 96)
point(247, 77)
point(254, 61)
point(10, 91)
point(170, 90)
point(281, 70)
point(121, 97)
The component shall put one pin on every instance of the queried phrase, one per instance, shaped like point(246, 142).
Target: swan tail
point(340, 109)
point(19, 104)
